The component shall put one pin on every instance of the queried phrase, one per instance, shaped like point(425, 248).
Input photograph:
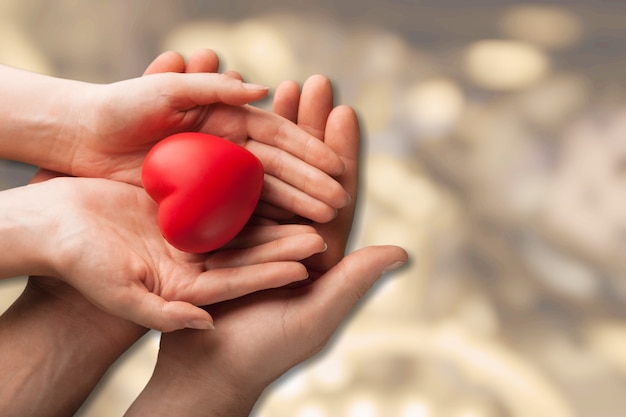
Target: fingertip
point(318, 79)
point(338, 168)
point(286, 100)
point(200, 324)
point(255, 87)
point(234, 74)
point(168, 61)
point(324, 248)
point(318, 244)
point(168, 316)
point(203, 60)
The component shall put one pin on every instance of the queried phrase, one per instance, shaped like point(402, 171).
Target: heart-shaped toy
point(206, 188)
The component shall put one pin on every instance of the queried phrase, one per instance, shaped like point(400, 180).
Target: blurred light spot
point(608, 339)
point(211, 34)
point(415, 409)
point(435, 106)
point(544, 25)
point(504, 65)
point(470, 413)
point(264, 54)
point(16, 50)
point(311, 411)
point(374, 101)
point(561, 272)
point(478, 315)
point(290, 386)
point(391, 183)
point(385, 52)
point(553, 101)
point(331, 374)
point(362, 408)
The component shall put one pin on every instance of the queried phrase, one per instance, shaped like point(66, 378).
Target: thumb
point(346, 283)
point(208, 88)
point(150, 310)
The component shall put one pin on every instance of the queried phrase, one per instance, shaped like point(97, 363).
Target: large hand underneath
point(262, 335)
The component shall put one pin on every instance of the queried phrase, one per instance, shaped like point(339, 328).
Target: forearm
point(54, 348)
point(25, 228)
point(38, 118)
point(171, 392)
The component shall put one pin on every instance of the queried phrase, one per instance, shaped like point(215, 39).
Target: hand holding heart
point(103, 239)
point(120, 122)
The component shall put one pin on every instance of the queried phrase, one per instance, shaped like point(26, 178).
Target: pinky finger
point(265, 232)
point(288, 248)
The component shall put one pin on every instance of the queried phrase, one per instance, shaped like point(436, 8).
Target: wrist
point(176, 389)
point(27, 230)
point(42, 113)
point(54, 348)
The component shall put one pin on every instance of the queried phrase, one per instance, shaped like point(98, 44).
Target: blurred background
point(496, 155)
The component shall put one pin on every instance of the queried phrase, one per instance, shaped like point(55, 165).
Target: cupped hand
point(123, 120)
point(106, 243)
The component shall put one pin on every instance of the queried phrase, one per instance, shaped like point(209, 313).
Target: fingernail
point(200, 325)
point(254, 87)
point(393, 266)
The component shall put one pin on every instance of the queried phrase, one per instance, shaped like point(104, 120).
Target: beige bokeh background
point(496, 155)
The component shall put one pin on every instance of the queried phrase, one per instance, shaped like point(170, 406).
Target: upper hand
point(124, 119)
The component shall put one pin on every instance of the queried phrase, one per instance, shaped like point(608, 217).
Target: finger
point(283, 134)
point(316, 104)
point(234, 74)
point(288, 248)
point(293, 200)
point(197, 89)
point(343, 137)
point(229, 283)
point(203, 60)
point(258, 234)
point(169, 61)
point(257, 220)
point(286, 100)
point(306, 178)
point(149, 310)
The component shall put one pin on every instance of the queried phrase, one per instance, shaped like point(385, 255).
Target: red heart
point(206, 188)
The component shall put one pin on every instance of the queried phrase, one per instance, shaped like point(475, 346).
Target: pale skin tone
point(105, 131)
point(258, 337)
